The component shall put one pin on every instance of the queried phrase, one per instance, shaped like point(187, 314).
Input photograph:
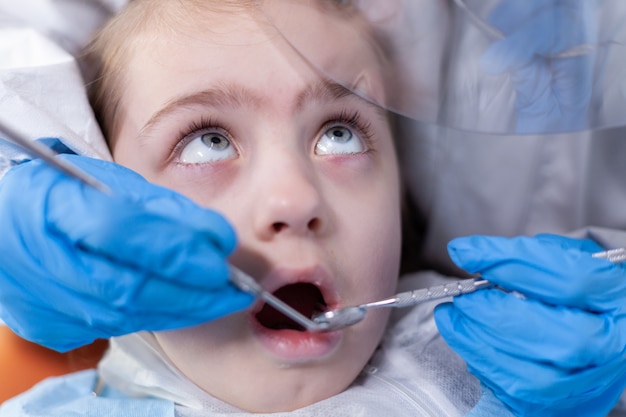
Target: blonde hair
point(104, 60)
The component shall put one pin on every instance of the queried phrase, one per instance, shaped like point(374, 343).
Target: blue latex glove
point(553, 91)
point(76, 264)
point(559, 352)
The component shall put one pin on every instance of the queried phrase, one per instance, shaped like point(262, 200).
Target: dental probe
point(612, 255)
point(248, 284)
point(41, 151)
point(347, 316)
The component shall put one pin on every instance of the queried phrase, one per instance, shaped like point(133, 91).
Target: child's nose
point(289, 202)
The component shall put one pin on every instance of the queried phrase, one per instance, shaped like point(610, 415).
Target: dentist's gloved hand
point(76, 264)
point(559, 352)
point(548, 51)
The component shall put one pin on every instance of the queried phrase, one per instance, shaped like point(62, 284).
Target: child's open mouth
point(287, 339)
point(306, 298)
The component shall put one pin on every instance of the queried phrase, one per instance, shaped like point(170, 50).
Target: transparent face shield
point(491, 94)
point(488, 66)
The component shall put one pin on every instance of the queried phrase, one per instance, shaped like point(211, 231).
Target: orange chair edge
point(23, 363)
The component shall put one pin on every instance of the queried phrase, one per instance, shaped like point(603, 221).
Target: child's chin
point(285, 394)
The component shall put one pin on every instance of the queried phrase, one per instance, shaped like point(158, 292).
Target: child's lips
point(296, 346)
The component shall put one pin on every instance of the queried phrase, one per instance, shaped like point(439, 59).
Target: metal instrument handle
point(38, 150)
point(450, 289)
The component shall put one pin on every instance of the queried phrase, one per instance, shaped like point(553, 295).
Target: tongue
point(305, 298)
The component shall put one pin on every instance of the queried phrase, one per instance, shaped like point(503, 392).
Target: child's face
point(225, 113)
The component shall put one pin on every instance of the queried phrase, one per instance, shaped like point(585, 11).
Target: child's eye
point(339, 140)
point(208, 147)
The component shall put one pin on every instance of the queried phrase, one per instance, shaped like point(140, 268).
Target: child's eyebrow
point(226, 96)
point(322, 91)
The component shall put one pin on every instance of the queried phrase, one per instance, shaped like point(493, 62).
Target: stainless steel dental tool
point(612, 255)
point(347, 316)
point(38, 150)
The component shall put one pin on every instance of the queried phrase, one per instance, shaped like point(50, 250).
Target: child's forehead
point(340, 48)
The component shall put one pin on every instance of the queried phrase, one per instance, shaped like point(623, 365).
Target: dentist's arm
point(548, 50)
point(77, 264)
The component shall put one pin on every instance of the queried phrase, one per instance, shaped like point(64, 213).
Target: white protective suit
point(464, 182)
point(42, 92)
